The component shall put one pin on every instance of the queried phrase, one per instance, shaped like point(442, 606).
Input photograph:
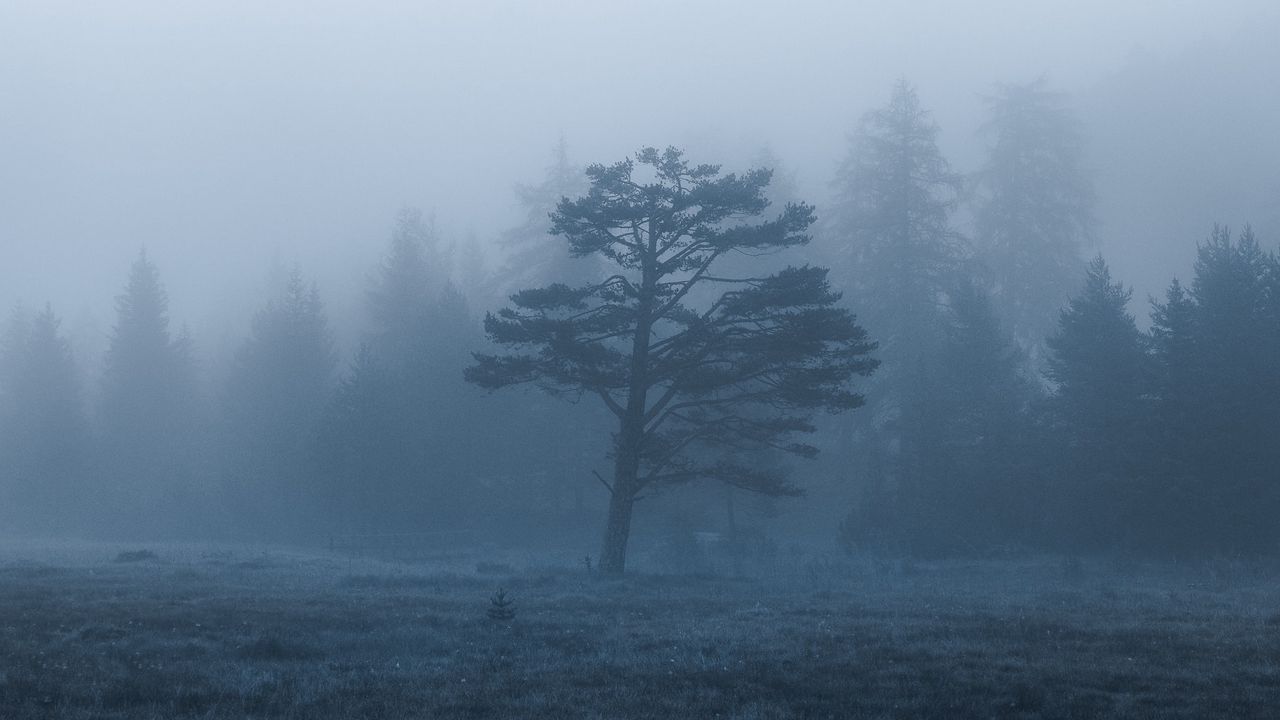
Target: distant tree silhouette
point(407, 284)
point(898, 255)
point(895, 193)
point(1034, 209)
point(1099, 367)
point(275, 396)
point(535, 256)
point(966, 435)
point(1171, 513)
point(396, 425)
point(960, 482)
point(44, 440)
point(1220, 384)
point(147, 428)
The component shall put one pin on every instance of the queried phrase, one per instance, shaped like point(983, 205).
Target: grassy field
point(87, 632)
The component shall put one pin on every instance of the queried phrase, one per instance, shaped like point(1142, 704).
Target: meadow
point(185, 631)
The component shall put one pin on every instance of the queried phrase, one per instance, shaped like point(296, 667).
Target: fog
point(650, 359)
point(221, 135)
point(233, 140)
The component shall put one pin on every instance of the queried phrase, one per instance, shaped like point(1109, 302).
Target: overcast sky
point(222, 134)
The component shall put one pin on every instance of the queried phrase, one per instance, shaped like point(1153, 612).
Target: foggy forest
point(658, 359)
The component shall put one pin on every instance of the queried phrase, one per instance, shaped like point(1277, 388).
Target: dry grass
point(234, 634)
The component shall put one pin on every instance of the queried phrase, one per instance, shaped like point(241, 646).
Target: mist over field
point(585, 340)
point(222, 135)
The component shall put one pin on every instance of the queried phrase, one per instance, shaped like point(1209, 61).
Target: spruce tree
point(1179, 379)
point(44, 439)
point(1236, 391)
point(963, 482)
point(146, 433)
point(405, 288)
point(1173, 500)
point(362, 445)
point(137, 388)
point(397, 430)
point(1100, 372)
point(277, 391)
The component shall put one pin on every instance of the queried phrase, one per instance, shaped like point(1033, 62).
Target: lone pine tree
point(695, 367)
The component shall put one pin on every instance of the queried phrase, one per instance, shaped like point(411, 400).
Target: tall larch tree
point(891, 223)
point(1034, 209)
point(897, 254)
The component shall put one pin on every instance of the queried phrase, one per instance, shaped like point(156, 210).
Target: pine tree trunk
point(626, 470)
point(735, 550)
point(626, 473)
point(613, 556)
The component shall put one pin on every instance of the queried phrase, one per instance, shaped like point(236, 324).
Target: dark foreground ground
point(217, 633)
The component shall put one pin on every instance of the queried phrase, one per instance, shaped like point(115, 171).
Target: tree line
point(1019, 403)
point(706, 328)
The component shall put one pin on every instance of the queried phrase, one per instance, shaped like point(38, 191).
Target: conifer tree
point(1178, 374)
point(694, 366)
point(535, 258)
point(961, 479)
point(1173, 497)
point(1098, 360)
point(1236, 391)
point(146, 434)
point(895, 193)
point(396, 428)
point(44, 438)
point(1035, 207)
point(277, 391)
point(406, 287)
point(1101, 376)
point(899, 255)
